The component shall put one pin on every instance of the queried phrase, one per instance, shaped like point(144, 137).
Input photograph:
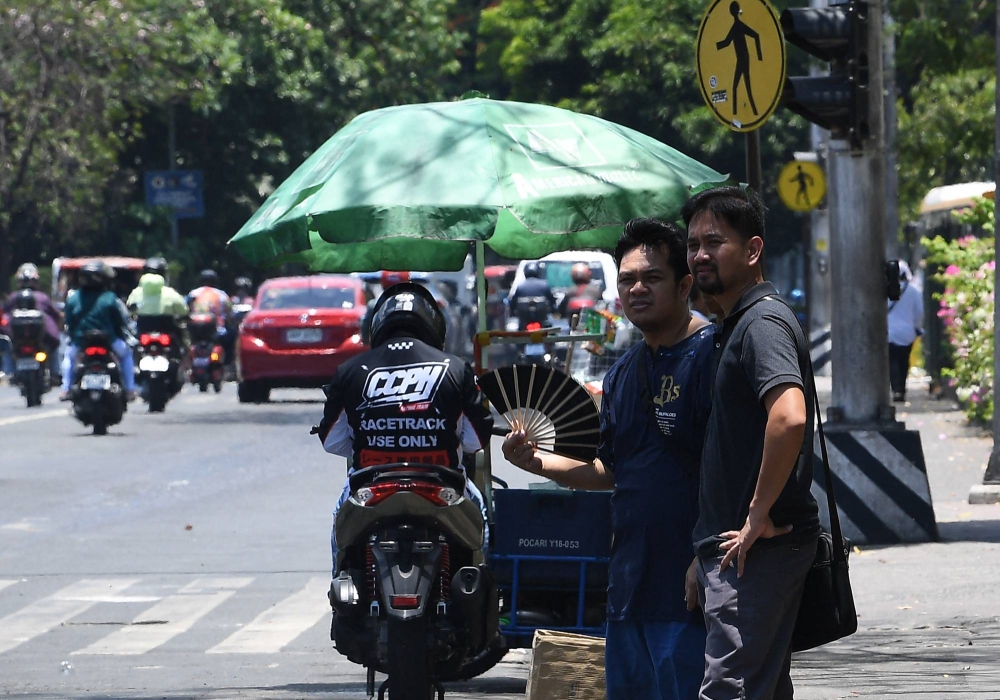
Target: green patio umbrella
point(407, 188)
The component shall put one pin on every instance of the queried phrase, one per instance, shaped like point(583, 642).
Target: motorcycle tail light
point(376, 493)
point(533, 326)
point(404, 602)
point(41, 356)
point(27, 350)
point(150, 338)
point(96, 351)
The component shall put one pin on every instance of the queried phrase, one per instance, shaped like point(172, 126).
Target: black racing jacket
point(404, 401)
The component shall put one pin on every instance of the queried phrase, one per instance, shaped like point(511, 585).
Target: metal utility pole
point(857, 232)
point(989, 492)
point(172, 165)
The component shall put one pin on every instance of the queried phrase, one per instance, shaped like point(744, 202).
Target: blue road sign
point(181, 190)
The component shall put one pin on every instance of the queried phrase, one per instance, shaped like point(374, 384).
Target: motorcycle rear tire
point(203, 387)
point(157, 397)
point(32, 391)
point(407, 667)
point(217, 386)
point(100, 428)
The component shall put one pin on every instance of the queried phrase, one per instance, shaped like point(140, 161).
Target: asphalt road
point(183, 555)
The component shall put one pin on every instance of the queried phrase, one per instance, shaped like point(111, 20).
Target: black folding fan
point(555, 412)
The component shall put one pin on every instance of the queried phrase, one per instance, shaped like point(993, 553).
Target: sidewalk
point(929, 614)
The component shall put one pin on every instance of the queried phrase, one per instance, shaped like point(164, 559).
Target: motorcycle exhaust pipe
point(470, 593)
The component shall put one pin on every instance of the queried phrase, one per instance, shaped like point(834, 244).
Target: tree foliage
point(945, 67)
point(76, 78)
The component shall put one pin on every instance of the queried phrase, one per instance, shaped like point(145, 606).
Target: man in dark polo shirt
point(653, 412)
point(756, 533)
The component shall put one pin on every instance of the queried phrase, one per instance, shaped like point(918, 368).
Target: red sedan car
point(299, 331)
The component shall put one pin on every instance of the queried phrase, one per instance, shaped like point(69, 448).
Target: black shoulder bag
point(827, 611)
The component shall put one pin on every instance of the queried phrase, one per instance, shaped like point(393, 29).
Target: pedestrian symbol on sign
point(738, 38)
point(741, 61)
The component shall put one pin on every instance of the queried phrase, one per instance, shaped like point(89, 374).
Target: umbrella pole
point(481, 307)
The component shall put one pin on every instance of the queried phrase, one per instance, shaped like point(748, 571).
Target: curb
point(984, 494)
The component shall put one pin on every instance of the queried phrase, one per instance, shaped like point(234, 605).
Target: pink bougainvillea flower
point(952, 271)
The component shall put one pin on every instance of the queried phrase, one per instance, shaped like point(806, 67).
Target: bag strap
point(839, 551)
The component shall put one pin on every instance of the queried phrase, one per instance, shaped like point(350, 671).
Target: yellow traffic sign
point(801, 185)
point(741, 61)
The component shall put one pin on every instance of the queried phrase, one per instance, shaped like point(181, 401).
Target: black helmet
point(156, 266)
point(96, 274)
point(25, 300)
point(243, 283)
point(407, 309)
point(533, 269)
point(208, 278)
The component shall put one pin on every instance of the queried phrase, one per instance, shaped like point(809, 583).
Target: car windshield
point(307, 298)
point(557, 273)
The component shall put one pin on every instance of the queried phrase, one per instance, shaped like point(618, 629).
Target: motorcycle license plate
point(534, 349)
point(304, 335)
point(201, 361)
point(154, 364)
point(99, 382)
point(27, 363)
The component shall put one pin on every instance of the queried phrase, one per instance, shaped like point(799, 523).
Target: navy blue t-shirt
point(655, 503)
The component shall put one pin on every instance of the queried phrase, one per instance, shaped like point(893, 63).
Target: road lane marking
point(277, 627)
point(168, 618)
point(42, 615)
point(6, 583)
point(33, 416)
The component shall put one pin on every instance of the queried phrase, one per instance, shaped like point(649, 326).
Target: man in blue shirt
point(655, 405)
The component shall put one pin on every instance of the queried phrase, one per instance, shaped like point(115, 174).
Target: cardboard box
point(566, 666)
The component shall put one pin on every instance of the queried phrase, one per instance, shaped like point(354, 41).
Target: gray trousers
point(750, 622)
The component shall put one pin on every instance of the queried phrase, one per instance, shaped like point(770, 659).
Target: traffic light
point(838, 35)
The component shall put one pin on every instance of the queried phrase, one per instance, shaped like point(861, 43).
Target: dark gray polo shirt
point(760, 346)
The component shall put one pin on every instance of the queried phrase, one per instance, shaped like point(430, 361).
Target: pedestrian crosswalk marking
point(42, 615)
point(168, 618)
point(277, 627)
point(5, 583)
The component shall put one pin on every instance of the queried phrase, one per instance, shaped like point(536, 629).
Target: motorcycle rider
point(95, 307)
point(243, 295)
point(208, 298)
point(154, 296)
point(585, 290)
point(28, 279)
point(532, 300)
point(370, 410)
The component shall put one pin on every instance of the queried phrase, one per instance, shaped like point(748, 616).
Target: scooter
point(98, 394)
point(410, 599)
point(31, 373)
point(207, 355)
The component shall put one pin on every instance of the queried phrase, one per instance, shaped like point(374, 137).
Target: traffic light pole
point(860, 352)
point(883, 492)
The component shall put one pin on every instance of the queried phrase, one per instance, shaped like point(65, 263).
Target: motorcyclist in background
point(28, 279)
point(243, 295)
point(210, 299)
point(94, 307)
point(153, 296)
point(585, 293)
point(532, 300)
point(405, 390)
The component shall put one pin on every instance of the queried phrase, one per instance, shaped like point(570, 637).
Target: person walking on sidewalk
point(655, 405)
point(906, 324)
point(757, 528)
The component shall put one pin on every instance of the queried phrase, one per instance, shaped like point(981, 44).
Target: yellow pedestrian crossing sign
point(801, 185)
point(741, 61)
